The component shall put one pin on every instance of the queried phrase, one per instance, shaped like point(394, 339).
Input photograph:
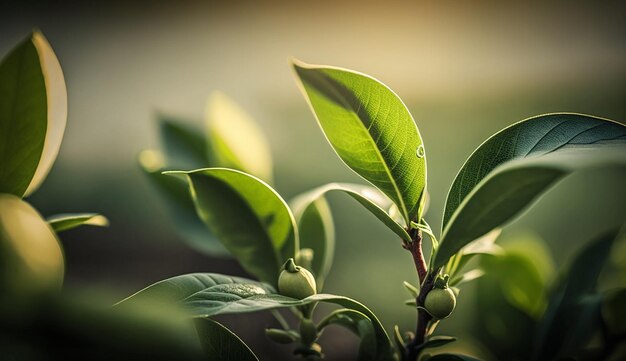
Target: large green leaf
point(31, 257)
point(235, 139)
point(180, 206)
point(360, 325)
point(66, 221)
point(33, 113)
point(221, 344)
point(205, 304)
point(371, 130)
point(206, 295)
point(250, 219)
point(371, 198)
point(181, 288)
point(572, 298)
point(317, 233)
point(515, 166)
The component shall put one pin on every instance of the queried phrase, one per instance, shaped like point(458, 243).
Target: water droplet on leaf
point(420, 151)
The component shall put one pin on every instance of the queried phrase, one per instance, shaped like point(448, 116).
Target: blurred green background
point(465, 70)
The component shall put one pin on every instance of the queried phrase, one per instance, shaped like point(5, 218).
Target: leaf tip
point(175, 172)
point(151, 160)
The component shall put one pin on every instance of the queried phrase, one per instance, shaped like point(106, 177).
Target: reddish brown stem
point(427, 281)
point(415, 248)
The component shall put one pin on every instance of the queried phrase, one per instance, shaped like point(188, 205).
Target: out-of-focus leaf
point(33, 113)
point(521, 282)
point(66, 221)
point(250, 219)
point(371, 198)
point(184, 146)
point(317, 232)
point(524, 269)
point(510, 170)
point(451, 357)
point(221, 344)
point(180, 206)
point(235, 139)
point(614, 312)
point(81, 326)
point(360, 325)
point(206, 295)
point(505, 330)
point(559, 329)
point(371, 130)
point(31, 258)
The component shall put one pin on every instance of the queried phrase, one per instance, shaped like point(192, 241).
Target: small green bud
point(304, 258)
point(280, 336)
point(308, 331)
point(440, 301)
point(295, 281)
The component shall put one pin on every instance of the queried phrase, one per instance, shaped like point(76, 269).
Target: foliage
point(218, 186)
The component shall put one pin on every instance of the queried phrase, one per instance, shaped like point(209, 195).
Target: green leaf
point(561, 323)
point(64, 222)
point(184, 146)
point(180, 206)
point(467, 277)
point(180, 288)
point(371, 198)
point(221, 344)
point(484, 245)
point(250, 219)
point(33, 113)
point(425, 228)
point(413, 291)
point(235, 139)
point(436, 341)
point(521, 284)
point(206, 295)
point(360, 325)
point(371, 130)
point(205, 304)
point(73, 325)
point(31, 257)
point(515, 166)
point(614, 312)
point(452, 357)
point(316, 231)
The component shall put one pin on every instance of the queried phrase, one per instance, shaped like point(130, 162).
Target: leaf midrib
point(375, 146)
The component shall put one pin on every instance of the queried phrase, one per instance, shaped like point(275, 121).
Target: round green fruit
point(440, 302)
point(296, 282)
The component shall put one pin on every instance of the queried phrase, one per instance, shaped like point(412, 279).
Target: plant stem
point(415, 247)
point(423, 318)
point(427, 281)
point(283, 322)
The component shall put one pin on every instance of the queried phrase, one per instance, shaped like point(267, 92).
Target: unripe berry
point(440, 301)
point(296, 282)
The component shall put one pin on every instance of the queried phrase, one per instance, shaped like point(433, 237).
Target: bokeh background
point(465, 70)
